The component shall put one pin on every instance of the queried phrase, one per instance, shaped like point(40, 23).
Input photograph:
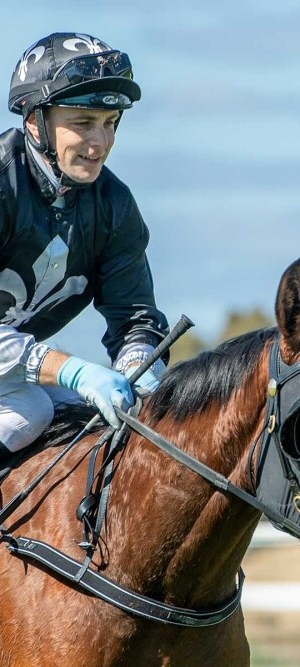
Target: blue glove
point(131, 356)
point(147, 381)
point(98, 385)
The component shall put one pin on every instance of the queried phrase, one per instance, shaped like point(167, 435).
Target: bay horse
point(168, 533)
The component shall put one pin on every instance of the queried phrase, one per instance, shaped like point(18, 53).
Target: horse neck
point(176, 530)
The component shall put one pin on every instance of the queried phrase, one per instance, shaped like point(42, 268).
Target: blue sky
point(211, 153)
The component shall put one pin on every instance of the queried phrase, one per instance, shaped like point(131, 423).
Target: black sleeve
point(124, 287)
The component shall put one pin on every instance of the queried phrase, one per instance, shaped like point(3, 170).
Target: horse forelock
point(190, 386)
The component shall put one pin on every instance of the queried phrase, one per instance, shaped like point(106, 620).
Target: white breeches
point(27, 409)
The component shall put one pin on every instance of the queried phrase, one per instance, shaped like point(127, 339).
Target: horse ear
point(287, 307)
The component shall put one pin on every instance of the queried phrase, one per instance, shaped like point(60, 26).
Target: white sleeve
point(20, 355)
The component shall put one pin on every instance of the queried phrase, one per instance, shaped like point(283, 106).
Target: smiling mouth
point(93, 160)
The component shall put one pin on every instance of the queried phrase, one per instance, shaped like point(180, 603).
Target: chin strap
point(43, 145)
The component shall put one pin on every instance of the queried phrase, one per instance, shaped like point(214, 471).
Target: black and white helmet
point(63, 67)
point(69, 69)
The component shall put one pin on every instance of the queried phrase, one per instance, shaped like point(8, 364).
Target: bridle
point(279, 450)
point(280, 410)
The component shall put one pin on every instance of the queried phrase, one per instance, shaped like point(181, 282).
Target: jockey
point(70, 234)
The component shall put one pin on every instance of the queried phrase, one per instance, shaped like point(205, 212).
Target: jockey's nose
point(101, 138)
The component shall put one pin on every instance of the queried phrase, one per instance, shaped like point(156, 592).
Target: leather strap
point(109, 591)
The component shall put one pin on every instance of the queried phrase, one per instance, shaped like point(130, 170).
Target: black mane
point(66, 425)
point(191, 385)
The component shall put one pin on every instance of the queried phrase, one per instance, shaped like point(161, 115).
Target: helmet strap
point(43, 145)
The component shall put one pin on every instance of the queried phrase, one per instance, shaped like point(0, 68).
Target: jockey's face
point(82, 138)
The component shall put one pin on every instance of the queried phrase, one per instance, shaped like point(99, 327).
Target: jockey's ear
point(287, 310)
point(32, 127)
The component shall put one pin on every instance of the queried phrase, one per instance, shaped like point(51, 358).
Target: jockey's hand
point(131, 356)
point(101, 387)
point(148, 382)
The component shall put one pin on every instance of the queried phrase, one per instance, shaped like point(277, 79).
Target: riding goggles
point(95, 66)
